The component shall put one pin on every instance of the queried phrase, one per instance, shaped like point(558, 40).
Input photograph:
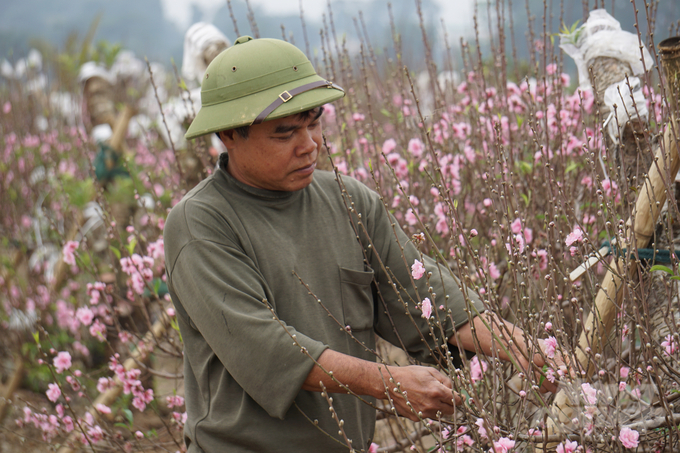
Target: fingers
point(423, 392)
point(442, 378)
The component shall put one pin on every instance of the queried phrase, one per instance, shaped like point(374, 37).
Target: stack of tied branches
point(498, 170)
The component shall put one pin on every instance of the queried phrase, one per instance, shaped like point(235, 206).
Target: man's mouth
point(307, 169)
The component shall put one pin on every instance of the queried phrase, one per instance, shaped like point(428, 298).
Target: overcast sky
point(456, 13)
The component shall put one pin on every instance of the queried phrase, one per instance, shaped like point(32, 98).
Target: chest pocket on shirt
point(357, 298)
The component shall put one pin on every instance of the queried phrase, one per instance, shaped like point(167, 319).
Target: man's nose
point(308, 142)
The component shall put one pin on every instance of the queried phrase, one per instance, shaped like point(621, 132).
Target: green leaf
point(386, 113)
point(115, 251)
point(83, 260)
point(455, 203)
point(545, 370)
point(36, 337)
point(526, 167)
point(571, 167)
point(131, 246)
point(659, 267)
point(128, 415)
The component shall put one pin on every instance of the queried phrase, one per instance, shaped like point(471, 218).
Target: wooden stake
point(116, 142)
point(640, 231)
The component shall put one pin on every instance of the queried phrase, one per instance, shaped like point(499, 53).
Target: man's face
point(278, 154)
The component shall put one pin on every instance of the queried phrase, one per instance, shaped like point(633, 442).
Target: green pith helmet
point(257, 80)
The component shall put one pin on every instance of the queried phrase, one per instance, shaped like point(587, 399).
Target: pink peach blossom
point(503, 445)
point(69, 252)
point(427, 308)
point(629, 437)
point(417, 270)
point(567, 447)
point(550, 345)
point(53, 393)
point(62, 362)
point(574, 236)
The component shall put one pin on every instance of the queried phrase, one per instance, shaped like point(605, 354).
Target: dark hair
point(243, 130)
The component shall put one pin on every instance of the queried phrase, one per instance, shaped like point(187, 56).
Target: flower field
point(502, 171)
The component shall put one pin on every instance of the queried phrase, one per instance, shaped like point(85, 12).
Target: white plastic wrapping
point(128, 66)
point(101, 133)
point(28, 66)
point(177, 111)
point(92, 69)
point(196, 40)
point(627, 107)
point(602, 36)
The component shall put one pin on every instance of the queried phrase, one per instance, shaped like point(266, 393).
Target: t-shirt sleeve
point(227, 301)
point(400, 319)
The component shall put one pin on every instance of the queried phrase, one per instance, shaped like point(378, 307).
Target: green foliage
point(569, 35)
point(79, 191)
point(526, 198)
point(115, 251)
point(121, 190)
point(662, 268)
point(131, 246)
point(525, 168)
point(129, 418)
point(105, 52)
point(571, 167)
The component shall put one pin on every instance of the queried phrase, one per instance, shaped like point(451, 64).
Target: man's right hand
point(419, 391)
point(413, 390)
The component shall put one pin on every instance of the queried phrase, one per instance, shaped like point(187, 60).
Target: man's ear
point(227, 138)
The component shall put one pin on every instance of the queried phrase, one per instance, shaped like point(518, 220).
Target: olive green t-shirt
point(257, 275)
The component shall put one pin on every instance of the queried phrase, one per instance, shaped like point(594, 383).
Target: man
point(279, 291)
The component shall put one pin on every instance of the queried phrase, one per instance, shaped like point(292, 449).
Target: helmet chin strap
point(288, 95)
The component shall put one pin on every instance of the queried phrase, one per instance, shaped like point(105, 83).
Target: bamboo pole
point(116, 142)
point(108, 397)
point(639, 231)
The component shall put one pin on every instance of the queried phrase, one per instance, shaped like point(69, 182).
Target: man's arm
point(476, 334)
point(428, 391)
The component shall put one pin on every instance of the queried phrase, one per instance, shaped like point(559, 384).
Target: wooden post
point(669, 51)
point(640, 229)
point(599, 323)
point(116, 142)
point(633, 154)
